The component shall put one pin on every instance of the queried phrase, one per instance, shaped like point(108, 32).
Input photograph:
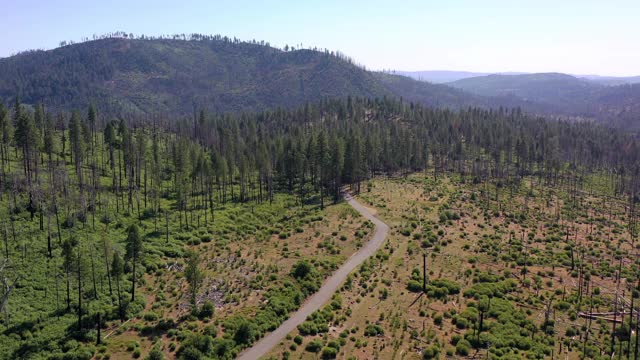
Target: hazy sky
point(580, 37)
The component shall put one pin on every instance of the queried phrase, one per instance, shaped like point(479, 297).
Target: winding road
point(327, 290)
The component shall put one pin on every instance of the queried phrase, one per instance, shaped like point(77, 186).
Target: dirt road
point(327, 290)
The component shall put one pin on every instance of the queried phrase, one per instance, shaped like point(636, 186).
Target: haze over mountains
point(447, 76)
point(143, 76)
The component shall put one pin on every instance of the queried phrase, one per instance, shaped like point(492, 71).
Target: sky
point(571, 36)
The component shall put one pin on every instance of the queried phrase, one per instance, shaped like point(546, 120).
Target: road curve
point(327, 290)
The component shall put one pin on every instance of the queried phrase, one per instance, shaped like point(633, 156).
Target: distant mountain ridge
point(566, 94)
point(125, 76)
point(612, 80)
point(547, 88)
point(439, 76)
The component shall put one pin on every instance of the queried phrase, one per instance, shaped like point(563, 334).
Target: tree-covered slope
point(619, 103)
point(137, 76)
point(140, 76)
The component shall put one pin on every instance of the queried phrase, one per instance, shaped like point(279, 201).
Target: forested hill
point(176, 76)
point(138, 76)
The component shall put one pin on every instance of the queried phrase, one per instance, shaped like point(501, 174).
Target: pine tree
point(134, 251)
point(26, 138)
point(194, 276)
point(322, 163)
point(92, 118)
point(68, 258)
point(6, 134)
point(77, 145)
point(117, 269)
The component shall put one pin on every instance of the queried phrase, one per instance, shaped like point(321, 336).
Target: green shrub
point(308, 328)
point(461, 323)
point(414, 286)
point(463, 347)
point(155, 354)
point(430, 353)
point(150, 316)
point(196, 346)
point(206, 310)
point(301, 269)
point(373, 330)
point(314, 346)
point(329, 352)
point(244, 333)
point(452, 287)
